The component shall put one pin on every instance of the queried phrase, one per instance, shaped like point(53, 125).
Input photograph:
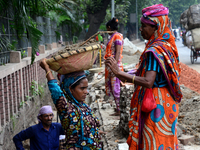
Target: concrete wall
point(16, 111)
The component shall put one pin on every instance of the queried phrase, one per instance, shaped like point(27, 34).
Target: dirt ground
point(190, 78)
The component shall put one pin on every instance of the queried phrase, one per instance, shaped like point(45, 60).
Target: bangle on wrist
point(48, 72)
point(133, 79)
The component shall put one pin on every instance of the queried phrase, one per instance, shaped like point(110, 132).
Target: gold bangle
point(48, 72)
point(133, 79)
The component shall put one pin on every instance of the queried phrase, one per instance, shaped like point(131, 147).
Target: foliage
point(13, 118)
point(33, 89)
point(13, 45)
point(75, 39)
point(23, 13)
point(41, 90)
point(21, 103)
point(4, 44)
point(102, 27)
point(93, 6)
point(36, 89)
point(176, 7)
point(121, 10)
point(57, 34)
point(63, 16)
point(23, 54)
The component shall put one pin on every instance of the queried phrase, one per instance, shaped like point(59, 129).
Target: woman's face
point(80, 91)
point(147, 31)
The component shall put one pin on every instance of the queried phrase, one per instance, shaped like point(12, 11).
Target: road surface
point(184, 55)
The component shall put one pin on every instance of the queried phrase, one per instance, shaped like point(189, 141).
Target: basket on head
point(72, 61)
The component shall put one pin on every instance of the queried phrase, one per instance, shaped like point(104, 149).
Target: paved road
point(184, 55)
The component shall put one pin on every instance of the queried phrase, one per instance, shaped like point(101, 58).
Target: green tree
point(176, 7)
point(97, 12)
point(24, 12)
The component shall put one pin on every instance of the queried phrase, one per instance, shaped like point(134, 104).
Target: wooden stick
point(100, 32)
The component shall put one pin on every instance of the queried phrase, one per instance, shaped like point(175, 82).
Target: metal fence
point(44, 24)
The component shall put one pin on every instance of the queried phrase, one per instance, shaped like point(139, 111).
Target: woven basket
point(72, 61)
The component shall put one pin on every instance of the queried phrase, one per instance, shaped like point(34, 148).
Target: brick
point(49, 46)
point(185, 139)
point(5, 90)
point(2, 116)
point(15, 57)
point(42, 49)
point(29, 50)
point(1, 105)
point(54, 45)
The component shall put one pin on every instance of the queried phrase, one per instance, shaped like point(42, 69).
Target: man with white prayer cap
point(44, 135)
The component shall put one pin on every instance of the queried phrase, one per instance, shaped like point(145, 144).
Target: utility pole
point(112, 8)
point(136, 21)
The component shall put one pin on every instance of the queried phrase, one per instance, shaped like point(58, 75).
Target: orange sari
point(157, 130)
point(112, 83)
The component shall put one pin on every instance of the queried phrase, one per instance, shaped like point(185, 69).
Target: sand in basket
point(76, 57)
point(76, 60)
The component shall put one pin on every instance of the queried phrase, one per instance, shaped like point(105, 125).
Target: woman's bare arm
point(45, 66)
point(146, 81)
point(117, 49)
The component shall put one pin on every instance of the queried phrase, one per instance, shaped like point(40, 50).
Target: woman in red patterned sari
point(158, 69)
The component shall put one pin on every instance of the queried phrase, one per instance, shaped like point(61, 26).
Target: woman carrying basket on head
point(78, 121)
point(158, 69)
point(114, 49)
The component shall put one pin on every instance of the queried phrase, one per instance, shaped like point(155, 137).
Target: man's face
point(46, 119)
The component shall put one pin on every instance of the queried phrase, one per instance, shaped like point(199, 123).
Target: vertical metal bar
point(8, 27)
point(136, 21)
point(112, 8)
point(3, 111)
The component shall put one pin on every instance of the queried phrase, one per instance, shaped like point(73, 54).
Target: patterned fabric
point(62, 144)
point(152, 65)
point(162, 45)
point(112, 83)
point(79, 123)
point(157, 129)
point(115, 39)
point(155, 10)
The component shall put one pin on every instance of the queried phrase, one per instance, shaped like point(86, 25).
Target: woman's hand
point(102, 133)
point(112, 64)
point(43, 64)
